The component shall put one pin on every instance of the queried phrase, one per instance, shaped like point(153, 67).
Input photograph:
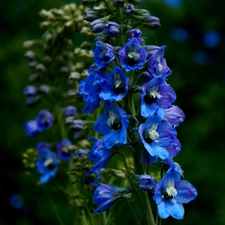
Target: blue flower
point(31, 128)
point(47, 165)
point(171, 192)
point(132, 56)
point(105, 195)
point(146, 182)
point(113, 124)
point(115, 85)
point(103, 54)
point(156, 134)
point(156, 93)
point(44, 120)
point(99, 154)
point(157, 64)
point(63, 149)
point(89, 89)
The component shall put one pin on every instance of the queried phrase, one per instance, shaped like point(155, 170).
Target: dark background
point(193, 32)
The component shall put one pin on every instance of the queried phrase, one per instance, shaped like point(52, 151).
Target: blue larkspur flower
point(171, 193)
point(44, 120)
point(31, 128)
point(89, 89)
point(113, 124)
point(99, 154)
point(47, 165)
point(132, 56)
point(157, 64)
point(103, 54)
point(156, 93)
point(63, 149)
point(156, 134)
point(114, 86)
point(105, 195)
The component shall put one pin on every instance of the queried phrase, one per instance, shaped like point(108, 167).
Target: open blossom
point(47, 165)
point(132, 56)
point(103, 54)
point(113, 125)
point(156, 94)
point(156, 134)
point(89, 89)
point(114, 85)
point(171, 193)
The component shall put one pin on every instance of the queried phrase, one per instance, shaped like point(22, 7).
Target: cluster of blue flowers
point(128, 81)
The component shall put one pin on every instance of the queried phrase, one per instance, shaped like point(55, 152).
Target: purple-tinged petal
point(186, 192)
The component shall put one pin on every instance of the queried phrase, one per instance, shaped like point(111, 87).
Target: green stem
point(103, 220)
point(53, 206)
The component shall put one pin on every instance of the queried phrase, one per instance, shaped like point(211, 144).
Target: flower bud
point(93, 14)
point(40, 67)
point(112, 29)
point(129, 9)
point(119, 3)
point(30, 90)
point(30, 55)
point(146, 182)
point(151, 22)
point(70, 111)
point(98, 25)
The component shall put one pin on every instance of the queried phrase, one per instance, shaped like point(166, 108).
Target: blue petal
point(159, 151)
point(176, 210)
point(162, 211)
point(185, 191)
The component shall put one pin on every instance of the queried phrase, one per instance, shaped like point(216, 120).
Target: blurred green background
point(194, 34)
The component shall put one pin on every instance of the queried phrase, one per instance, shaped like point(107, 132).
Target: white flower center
point(154, 92)
point(48, 162)
point(153, 134)
point(159, 65)
point(134, 55)
point(112, 117)
point(171, 191)
point(117, 81)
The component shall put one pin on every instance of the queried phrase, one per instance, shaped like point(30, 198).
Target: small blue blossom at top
point(132, 56)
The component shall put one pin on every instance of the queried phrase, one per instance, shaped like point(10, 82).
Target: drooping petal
point(176, 210)
point(162, 211)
